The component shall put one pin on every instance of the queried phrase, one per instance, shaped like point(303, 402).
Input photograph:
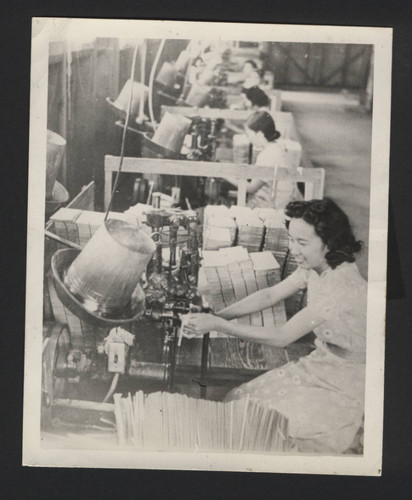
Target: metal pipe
point(83, 405)
point(68, 243)
point(142, 80)
point(116, 182)
point(151, 80)
point(113, 386)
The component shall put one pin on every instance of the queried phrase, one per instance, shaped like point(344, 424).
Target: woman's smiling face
point(306, 246)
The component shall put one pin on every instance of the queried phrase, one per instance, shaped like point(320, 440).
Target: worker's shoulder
point(272, 153)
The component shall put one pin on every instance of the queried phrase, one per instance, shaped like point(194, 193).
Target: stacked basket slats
point(163, 421)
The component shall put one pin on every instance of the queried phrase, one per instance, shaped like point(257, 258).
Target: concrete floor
point(337, 137)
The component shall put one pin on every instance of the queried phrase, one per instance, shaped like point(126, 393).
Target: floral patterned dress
point(322, 394)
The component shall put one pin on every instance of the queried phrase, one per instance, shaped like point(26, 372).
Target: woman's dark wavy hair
point(261, 121)
point(256, 96)
point(331, 225)
point(252, 63)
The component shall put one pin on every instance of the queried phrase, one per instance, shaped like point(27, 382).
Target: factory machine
point(179, 138)
point(127, 279)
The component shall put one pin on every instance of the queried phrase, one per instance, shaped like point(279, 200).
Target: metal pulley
point(140, 191)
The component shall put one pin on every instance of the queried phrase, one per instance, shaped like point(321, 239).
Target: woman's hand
point(197, 324)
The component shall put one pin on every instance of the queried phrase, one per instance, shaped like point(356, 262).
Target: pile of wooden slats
point(163, 421)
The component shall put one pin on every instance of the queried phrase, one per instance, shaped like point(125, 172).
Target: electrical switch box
point(117, 357)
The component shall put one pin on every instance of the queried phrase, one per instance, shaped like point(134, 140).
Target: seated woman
point(322, 394)
point(251, 75)
point(262, 133)
point(195, 70)
point(253, 99)
point(256, 99)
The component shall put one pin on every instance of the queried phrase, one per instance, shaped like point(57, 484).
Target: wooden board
point(285, 122)
point(225, 285)
point(235, 354)
point(313, 178)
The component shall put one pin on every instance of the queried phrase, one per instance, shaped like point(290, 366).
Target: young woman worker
point(261, 131)
point(255, 99)
point(323, 393)
point(251, 75)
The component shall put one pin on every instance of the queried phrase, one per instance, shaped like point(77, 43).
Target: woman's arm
point(259, 300)
point(251, 186)
point(302, 323)
point(232, 126)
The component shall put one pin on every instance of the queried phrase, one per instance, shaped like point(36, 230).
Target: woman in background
point(251, 75)
point(195, 70)
point(261, 131)
point(255, 99)
point(322, 394)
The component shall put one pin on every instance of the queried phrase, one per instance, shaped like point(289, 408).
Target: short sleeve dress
point(322, 394)
point(274, 155)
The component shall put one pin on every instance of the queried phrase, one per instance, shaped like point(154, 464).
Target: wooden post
point(105, 84)
point(345, 66)
point(108, 174)
point(204, 365)
point(241, 193)
point(142, 79)
point(63, 117)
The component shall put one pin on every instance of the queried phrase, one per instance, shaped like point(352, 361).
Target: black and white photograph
point(207, 233)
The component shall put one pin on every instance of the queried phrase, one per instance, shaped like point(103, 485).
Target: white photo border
point(45, 30)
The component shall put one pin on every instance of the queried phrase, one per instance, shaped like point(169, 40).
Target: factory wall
point(317, 65)
point(79, 83)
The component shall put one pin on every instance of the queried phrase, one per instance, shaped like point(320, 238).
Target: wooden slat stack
point(250, 231)
point(276, 235)
point(162, 421)
point(219, 229)
point(233, 275)
point(78, 226)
